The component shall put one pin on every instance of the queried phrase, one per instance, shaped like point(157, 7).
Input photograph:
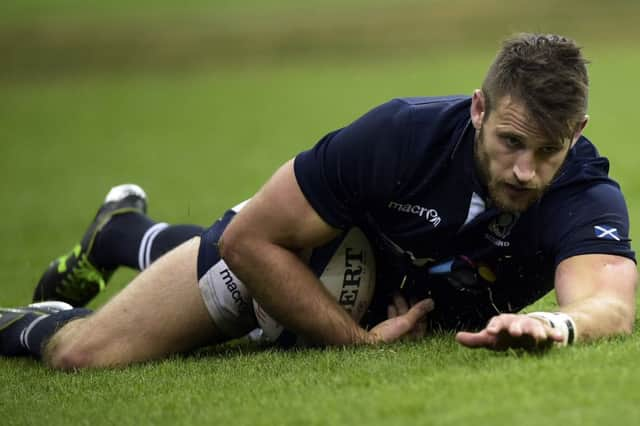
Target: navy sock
point(28, 335)
point(170, 237)
point(117, 243)
point(136, 241)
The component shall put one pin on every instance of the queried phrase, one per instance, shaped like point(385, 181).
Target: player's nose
point(524, 168)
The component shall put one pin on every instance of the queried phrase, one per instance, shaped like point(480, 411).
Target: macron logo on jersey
point(429, 214)
point(606, 232)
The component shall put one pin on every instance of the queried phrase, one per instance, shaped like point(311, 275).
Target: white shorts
point(227, 299)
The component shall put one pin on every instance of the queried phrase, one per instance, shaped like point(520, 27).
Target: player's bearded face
point(515, 159)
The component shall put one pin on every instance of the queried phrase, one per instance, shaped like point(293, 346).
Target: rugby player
point(477, 206)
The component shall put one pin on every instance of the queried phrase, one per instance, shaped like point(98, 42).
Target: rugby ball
point(347, 268)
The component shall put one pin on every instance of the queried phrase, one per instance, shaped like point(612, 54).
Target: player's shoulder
point(583, 168)
point(426, 116)
point(429, 107)
point(434, 101)
point(584, 183)
point(428, 104)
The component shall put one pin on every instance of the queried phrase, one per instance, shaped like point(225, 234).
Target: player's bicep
point(280, 214)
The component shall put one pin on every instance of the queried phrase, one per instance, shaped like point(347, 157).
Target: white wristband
point(559, 321)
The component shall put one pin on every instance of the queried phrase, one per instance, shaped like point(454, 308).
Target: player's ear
point(478, 107)
point(579, 130)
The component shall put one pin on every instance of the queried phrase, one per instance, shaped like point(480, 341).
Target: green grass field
point(203, 137)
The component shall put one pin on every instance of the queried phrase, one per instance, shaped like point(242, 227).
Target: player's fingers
point(418, 311)
point(392, 312)
point(494, 326)
point(535, 329)
point(544, 332)
point(515, 328)
point(482, 339)
point(499, 323)
point(397, 327)
point(400, 303)
point(419, 329)
point(556, 335)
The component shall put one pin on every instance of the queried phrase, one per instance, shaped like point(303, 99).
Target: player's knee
point(73, 353)
point(69, 357)
point(70, 360)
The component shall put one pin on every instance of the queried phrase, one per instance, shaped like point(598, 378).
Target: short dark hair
point(548, 73)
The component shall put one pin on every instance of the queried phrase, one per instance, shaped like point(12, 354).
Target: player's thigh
point(160, 312)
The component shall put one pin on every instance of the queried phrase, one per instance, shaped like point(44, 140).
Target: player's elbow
point(235, 247)
point(628, 320)
point(623, 328)
point(627, 329)
point(626, 308)
point(622, 317)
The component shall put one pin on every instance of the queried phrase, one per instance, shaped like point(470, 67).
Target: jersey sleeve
point(591, 221)
point(352, 167)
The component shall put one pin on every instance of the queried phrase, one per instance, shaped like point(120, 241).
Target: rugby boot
point(74, 278)
point(12, 330)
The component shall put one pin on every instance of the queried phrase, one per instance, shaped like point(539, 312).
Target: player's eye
point(550, 150)
point(512, 141)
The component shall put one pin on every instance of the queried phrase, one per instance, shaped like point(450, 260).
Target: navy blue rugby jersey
point(405, 174)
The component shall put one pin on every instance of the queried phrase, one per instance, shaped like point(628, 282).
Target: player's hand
point(399, 306)
point(403, 320)
point(511, 331)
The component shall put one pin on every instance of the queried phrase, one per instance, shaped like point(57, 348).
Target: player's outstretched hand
point(511, 331)
point(403, 321)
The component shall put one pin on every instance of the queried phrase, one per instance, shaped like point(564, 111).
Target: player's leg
point(186, 299)
point(23, 329)
point(121, 234)
point(161, 312)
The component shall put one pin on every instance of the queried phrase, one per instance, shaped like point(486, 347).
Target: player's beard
point(498, 187)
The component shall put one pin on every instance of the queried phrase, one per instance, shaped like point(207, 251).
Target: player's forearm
point(599, 293)
point(287, 289)
point(601, 316)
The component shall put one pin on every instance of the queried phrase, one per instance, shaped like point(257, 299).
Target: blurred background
point(44, 38)
point(199, 101)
